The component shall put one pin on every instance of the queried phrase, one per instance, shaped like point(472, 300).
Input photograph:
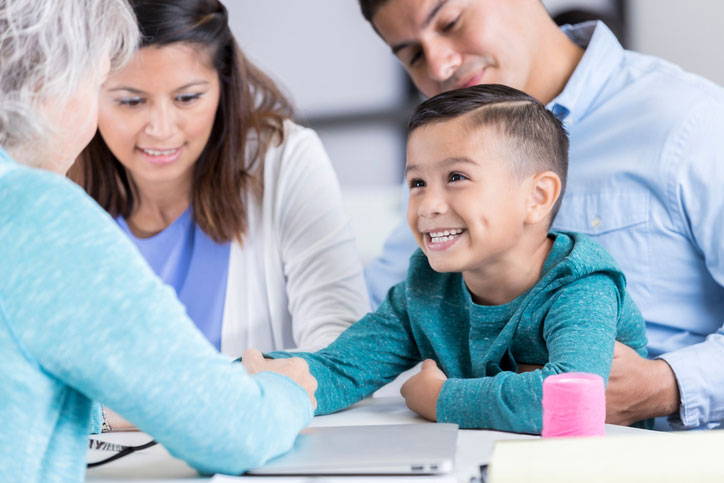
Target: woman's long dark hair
point(249, 118)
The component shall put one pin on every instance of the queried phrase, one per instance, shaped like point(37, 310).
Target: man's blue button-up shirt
point(646, 180)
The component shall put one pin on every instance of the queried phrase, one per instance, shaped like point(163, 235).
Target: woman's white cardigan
point(296, 281)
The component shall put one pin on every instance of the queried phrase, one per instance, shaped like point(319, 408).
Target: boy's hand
point(422, 390)
point(294, 368)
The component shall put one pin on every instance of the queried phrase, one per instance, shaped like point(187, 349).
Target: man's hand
point(639, 388)
point(294, 368)
point(422, 390)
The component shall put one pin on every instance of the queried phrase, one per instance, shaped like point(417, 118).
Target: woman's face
point(156, 115)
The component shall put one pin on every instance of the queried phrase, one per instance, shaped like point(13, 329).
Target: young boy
point(490, 290)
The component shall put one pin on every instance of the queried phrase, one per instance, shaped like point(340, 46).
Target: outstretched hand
point(422, 390)
point(295, 368)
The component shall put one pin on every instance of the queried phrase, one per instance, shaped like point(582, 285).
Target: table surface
point(156, 464)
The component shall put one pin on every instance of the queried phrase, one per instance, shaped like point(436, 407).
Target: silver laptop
point(390, 449)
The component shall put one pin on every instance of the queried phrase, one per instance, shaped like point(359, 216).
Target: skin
point(422, 390)
point(448, 44)
point(164, 100)
point(483, 197)
point(637, 388)
point(74, 123)
point(294, 368)
point(465, 182)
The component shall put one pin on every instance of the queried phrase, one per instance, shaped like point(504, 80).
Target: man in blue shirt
point(645, 177)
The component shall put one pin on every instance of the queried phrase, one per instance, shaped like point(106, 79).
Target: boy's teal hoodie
point(568, 321)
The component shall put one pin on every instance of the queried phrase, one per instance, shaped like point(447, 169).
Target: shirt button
point(596, 223)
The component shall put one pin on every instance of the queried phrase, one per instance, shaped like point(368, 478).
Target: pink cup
point(574, 404)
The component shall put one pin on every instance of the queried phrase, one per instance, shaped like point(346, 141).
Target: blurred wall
point(353, 92)
point(339, 74)
point(604, 6)
point(689, 33)
point(348, 87)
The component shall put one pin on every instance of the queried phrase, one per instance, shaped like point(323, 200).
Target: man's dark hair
point(534, 134)
point(369, 8)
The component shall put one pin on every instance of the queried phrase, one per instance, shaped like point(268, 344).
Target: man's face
point(449, 44)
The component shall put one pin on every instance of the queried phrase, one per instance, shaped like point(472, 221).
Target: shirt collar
point(603, 53)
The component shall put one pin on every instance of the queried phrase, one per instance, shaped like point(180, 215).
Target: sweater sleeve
point(579, 331)
point(85, 308)
point(324, 277)
point(365, 357)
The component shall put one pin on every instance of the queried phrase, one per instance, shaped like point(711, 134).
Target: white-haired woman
point(82, 317)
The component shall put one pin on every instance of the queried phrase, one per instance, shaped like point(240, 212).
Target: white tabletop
point(156, 464)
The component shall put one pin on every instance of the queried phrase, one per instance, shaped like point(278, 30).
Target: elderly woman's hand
point(295, 368)
point(116, 422)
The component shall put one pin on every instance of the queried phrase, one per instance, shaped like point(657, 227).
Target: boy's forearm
point(339, 385)
point(493, 402)
point(366, 356)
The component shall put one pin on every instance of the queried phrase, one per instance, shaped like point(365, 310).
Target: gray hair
point(47, 47)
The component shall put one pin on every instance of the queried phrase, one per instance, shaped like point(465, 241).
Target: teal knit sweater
point(83, 317)
point(568, 321)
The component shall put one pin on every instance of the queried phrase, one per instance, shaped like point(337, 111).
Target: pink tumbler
point(574, 404)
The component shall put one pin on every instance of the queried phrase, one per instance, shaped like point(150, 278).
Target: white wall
point(329, 60)
point(331, 63)
point(322, 51)
point(687, 32)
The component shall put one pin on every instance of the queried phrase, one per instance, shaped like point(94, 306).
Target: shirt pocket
point(620, 222)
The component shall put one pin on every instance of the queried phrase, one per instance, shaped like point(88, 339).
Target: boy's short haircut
point(534, 135)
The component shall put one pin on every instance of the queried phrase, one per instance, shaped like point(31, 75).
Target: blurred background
point(347, 86)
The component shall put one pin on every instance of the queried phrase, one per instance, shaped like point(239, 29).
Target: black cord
point(125, 452)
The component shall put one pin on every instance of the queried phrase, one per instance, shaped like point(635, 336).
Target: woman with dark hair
point(82, 317)
point(231, 203)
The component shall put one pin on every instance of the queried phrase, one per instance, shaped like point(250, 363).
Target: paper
point(651, 457)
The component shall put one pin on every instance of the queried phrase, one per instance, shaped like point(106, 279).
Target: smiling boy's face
point(467, 207)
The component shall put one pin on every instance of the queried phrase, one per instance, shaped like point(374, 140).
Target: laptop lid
point(399, 449)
